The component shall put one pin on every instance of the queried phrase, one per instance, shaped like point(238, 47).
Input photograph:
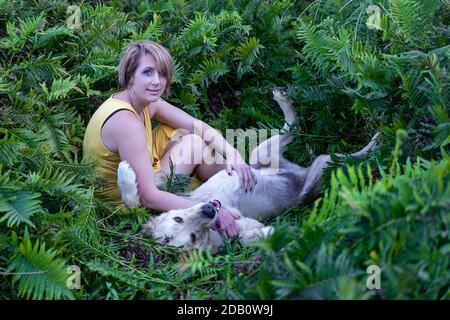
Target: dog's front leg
point(252, 230)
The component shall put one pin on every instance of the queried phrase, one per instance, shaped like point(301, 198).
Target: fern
point(9, 152)
point(199, 36)
point(320, 281)
point(406, 17)
point(19, 206)
point(18, 36)
point(412, 91)
point(60, 88)
point(341, 49)
point(39, 69)
point(125, 276)
point(59, 183)
point(50, 125)
point(247, 53)
point(230, 26)
point(39, 272)
point(212, 69)
point(154, 30)
point(316, 49)
point(200, 261)
point(50, 35)
point(85, 243)
point(442, 130)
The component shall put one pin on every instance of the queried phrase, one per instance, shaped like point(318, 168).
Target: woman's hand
point(226, 223)
point(244, 171)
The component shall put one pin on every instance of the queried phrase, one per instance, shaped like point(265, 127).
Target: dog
point(278, 188)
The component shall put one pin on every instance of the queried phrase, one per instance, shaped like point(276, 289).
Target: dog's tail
point(126, 181)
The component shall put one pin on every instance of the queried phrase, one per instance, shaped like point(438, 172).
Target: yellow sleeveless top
point(107, 162)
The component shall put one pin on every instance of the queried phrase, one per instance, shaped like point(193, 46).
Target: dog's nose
point(209, 210)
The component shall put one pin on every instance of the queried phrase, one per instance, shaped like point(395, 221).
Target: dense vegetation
point(351, 69)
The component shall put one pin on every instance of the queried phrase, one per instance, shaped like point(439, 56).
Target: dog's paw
point(250, 236)
point(266, 232)
point(372, 144)
point(126, 181)
point(280, 96)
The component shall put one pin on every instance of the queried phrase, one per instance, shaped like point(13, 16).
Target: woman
point(120, 129)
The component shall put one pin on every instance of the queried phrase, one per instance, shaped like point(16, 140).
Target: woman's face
point(148, 83)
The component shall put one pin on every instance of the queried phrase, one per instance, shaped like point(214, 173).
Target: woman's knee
point(189, 150)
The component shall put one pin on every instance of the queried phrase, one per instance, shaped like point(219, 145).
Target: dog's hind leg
point(311, 186)
point(269, 153)
point(365, 151)
point(290, 116)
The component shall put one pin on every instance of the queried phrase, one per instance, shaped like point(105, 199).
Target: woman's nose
point(155, 79)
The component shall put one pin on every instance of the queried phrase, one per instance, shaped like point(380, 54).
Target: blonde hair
point(130, 61)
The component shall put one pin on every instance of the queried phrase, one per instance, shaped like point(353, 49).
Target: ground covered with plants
point(351, 67)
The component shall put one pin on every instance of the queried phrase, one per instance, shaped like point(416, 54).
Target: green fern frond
point(50, 35)
point(125, 276)
point(341, 48)
point(40, 273)
point(317, 279)
point(39, 69)
point(230, 25)
point(82, 241)
point(56, 139)
point(26, 136)
point(18, 206)
point(154, 30)
point(4, 87)
point(412, 92)
point(247, 53)
point(179, 72)
point(9, 152)
point(442, 130)
point(59, 183)
point(406, 15)
point(101, 71)
point(316, 48)
point(200, 261)
point(18, 36)
point(199, 36)
point(60, 88)
point(212, 69)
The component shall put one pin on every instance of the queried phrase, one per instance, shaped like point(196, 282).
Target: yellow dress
point(107, 162)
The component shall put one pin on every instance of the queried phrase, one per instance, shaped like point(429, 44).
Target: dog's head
point(186, 228)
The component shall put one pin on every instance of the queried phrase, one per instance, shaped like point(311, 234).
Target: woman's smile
point(154, 91)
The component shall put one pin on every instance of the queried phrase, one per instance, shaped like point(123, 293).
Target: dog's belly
point(257, 207)
point(221, 187)
point(269, 198)
point(272, 194)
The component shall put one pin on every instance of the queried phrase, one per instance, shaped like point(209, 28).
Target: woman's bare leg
point(192, 154)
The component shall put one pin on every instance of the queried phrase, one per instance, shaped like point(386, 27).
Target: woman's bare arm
point(126, 135)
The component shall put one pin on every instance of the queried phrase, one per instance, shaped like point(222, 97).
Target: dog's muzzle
point(211, 208)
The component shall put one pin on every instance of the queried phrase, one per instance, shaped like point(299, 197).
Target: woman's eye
point(178, 219)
